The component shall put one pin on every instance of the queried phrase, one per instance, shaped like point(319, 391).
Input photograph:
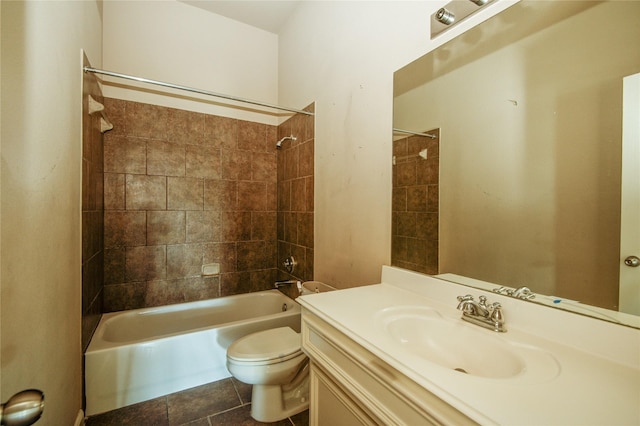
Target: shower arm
point(291, 138)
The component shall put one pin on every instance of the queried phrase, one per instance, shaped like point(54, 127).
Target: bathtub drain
point(284, 307)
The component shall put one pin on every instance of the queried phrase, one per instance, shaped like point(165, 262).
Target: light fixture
point(455, 12)
point(445, 16)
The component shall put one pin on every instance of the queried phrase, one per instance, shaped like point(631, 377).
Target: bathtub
point(145, 353)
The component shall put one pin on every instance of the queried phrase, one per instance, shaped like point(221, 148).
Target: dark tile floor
point(225, 402)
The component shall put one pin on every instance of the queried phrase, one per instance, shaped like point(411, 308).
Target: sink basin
point(462, 347)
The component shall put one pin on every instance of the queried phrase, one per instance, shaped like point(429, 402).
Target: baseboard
point(79, 419)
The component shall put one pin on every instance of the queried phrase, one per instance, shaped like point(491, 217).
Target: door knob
point(632, 261)
point(23, 408)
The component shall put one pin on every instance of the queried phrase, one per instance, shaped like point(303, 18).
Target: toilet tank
point(310, 287)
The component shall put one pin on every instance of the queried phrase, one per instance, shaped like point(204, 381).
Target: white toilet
point(273, 362)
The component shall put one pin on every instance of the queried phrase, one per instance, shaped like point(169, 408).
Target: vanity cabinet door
point(350, 385)
point(329, 405)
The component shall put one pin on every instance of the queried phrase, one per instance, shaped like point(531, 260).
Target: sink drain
point(462, 370)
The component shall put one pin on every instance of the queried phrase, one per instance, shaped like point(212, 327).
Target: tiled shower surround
point(92, 211)
point(415, 203)
point(183, 189)
point(295, 198)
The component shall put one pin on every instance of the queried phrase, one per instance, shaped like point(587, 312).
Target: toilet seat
point(266, 347)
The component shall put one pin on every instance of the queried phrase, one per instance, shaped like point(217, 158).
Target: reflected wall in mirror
point(529, 106)
point(414, 232)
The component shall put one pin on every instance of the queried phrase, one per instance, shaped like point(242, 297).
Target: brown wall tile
point(298, 195)
point(254, 255)
point(221, 132)
point(306, 159)
point(416, 198)
point(235, 164)
point(146, 192)
point(163, 292)
point(114, 191)
point(125, 155)
point(203, 162)
point(305, 229)
point(203, 226)
point(124, 228)
point(145, 120)
point(223, 253)
point(236, 226)
point(185, 127)
point(185, 193)
point(310, 194)
point(252, 196)
point(264, 167)
point(221, 195)
point(252, 136)
point(263, 226)
point(119, 297)
point(114, 265)
point(145, 263)
point(165, 159)
point(184, 189)
point(184, 260)
point(166, 227)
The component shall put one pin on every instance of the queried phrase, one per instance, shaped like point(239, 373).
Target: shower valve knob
point(290, 264)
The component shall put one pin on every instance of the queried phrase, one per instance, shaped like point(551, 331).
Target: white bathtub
point(145, 353)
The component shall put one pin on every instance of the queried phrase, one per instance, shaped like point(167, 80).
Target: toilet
point(273, 362)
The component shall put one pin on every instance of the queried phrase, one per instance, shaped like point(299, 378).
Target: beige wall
point(41, 198)
point(343, 56)
point(178, 43)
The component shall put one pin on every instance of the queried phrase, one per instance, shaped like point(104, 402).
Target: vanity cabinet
point(351, 386)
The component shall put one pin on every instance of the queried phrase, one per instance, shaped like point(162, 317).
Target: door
point(630, 209)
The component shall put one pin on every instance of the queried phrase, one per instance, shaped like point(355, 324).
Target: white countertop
point(596, 378)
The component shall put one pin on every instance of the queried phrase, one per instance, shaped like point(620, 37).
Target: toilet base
point(271, 403)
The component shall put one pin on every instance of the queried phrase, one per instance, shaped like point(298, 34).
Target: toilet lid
point(276, 343)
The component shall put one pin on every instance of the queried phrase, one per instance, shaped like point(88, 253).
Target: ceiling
point(268, 15)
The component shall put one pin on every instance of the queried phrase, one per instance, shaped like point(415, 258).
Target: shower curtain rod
point(409, 132)
point(194, 90)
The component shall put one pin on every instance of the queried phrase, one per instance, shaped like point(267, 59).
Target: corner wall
point(342, 55)
point(41, 199)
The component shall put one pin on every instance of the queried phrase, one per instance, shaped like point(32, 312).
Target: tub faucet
point(279, 284)
point(479, 313)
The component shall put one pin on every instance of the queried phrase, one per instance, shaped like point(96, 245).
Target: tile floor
point(225, 402)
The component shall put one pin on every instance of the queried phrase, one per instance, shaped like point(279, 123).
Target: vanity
point(398, 352)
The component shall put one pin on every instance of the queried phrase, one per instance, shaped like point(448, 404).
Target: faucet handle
point(483, 301)
point(461, 301)
point(497, 317)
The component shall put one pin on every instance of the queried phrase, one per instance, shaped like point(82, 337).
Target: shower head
point(279, 143)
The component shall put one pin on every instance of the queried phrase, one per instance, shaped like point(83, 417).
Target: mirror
point(528, 109)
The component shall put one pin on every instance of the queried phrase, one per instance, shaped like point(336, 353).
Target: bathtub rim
point(97, 343)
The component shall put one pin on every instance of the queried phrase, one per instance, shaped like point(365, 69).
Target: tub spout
point(279, 284)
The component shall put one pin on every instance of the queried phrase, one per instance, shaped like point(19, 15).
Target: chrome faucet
point(519, 293)
point(479, 313)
